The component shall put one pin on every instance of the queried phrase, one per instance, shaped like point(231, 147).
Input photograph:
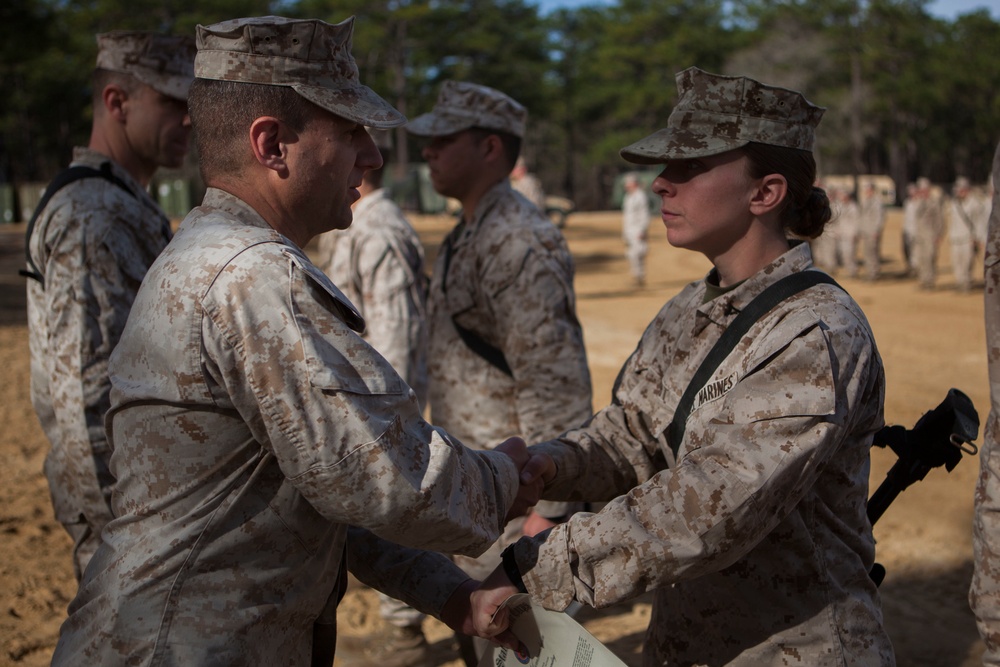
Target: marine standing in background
point(260, 445)
point(378, 262)
point(635, 227)
point(89, 248)
point(527, 184)
point(909, 233)
point(984, 594)
point(929, 223)
point(506, 352)
point(871, 223)
point(966, 212)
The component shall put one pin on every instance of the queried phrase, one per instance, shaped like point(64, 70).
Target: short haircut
point(102, 78)
point(511, 143)
point(221, 114)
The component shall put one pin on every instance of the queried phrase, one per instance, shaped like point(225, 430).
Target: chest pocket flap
point(336, 357)
point(788, 373)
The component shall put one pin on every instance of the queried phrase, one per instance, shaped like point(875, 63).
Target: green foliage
point(905, 93)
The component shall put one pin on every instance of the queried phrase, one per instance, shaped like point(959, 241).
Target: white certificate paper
point(553, 639)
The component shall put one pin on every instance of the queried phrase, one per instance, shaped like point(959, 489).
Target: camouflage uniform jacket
point(507, 276)
point(378, 262)
point(250, 426)
point(93, 244)
point(985, 592)
point(756, 541)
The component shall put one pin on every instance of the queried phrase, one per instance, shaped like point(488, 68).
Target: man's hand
point(459, 614)
point(535, 471)
point(487, 622)
point(536, 523)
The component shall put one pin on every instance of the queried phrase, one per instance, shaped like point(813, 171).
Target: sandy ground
point(930, 341)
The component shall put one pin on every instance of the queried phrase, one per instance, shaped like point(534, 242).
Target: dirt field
point(930, 341)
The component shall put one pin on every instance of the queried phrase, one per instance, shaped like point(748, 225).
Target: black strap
point(491, 354)
point(488, 352)
point(757, 308)
point(62, 179)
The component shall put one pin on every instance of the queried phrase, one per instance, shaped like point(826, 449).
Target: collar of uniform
point(236, 207)
point(724, 309)
point(82, 155)
point(486, 203)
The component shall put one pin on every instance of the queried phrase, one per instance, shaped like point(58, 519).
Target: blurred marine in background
point(89, 247)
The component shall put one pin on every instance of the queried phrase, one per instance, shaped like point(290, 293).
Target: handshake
point(536, 470)
point(474, 608)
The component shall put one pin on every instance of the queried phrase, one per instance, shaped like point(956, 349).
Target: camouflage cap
point(162, 62)
point(715, 114)
point(310, 56)
point(463, 105)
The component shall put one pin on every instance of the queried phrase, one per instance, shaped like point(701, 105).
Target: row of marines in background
point(929, 215)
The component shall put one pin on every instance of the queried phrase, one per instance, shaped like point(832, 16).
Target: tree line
point(907, 94)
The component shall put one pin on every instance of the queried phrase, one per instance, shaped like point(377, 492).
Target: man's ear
point(492, 148)
point(268, 143)
point(114, 99)
point(769, 194)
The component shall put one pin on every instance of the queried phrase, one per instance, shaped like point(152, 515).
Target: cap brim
point(670, 144)
point(171, 85)
point(437, 124)
point(359, 103)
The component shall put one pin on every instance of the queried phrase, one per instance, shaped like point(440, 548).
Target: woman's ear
point(769, 194)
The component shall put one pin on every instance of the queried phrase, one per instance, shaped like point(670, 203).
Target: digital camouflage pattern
point(162, 62)
point(507, 276)
point(715, 114)
point(246, 441)
point(756, 541)
point(308, 55)
point(984, 595)
point(378, 262)
point(462, 105)
point(93, 244)
point(967, 214)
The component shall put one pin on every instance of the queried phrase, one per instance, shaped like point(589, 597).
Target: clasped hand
point(536, 470)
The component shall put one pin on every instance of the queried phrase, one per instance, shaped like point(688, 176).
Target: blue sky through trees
point(946, 9)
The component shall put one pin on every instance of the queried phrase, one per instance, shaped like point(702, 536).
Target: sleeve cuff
point(511, 570)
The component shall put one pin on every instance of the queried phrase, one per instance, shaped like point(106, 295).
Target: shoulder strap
point(488, 352)
point(62, 179)
point(757, 308)
point(491, 354)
